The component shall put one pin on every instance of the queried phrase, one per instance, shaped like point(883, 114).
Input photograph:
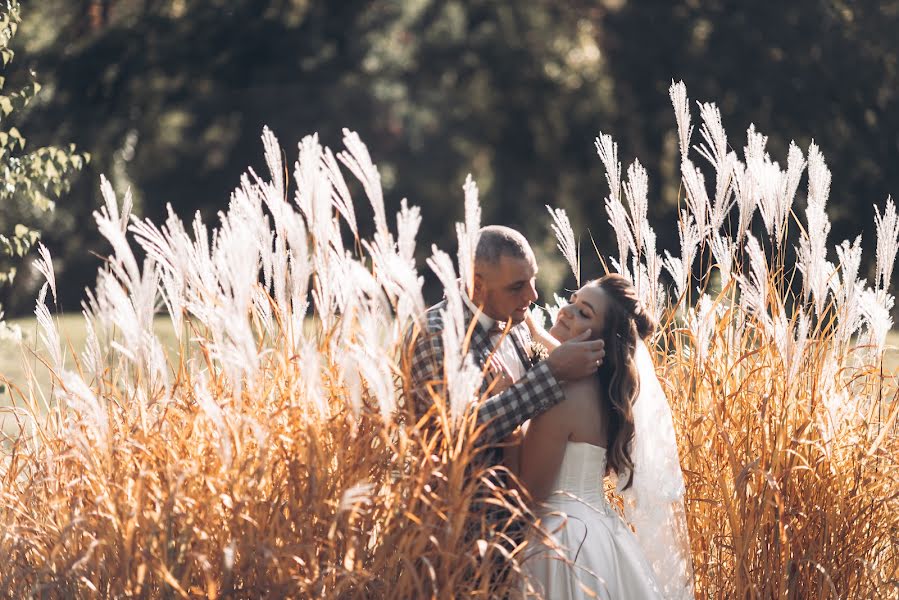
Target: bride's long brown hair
point(626, 322)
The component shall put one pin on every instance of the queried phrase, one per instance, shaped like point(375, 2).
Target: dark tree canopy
point(170, 97)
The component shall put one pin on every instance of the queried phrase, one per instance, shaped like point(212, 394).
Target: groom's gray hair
point(496, 241)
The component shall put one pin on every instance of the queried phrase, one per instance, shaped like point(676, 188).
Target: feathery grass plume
point(358, 160)
point(790, 345)
point(811, 254)
point(887, 228)
point(378, 378)
point(313, 197)
point(712, 131)
point(875, 309)
point(747, 196)
point(273, 161)
point(408, 220)
point(680, 275)
point(722, 250)
point(468, 234)
point(44, 265)
point(88, 422)
point(636, 191)
point(765, 185)
point(49, 334)
point(724, 191)
point(715, 150)
point(690, 236)
point(846, 288)
point(725, 163)
point(681, 104)
point(778, 189)
point(552, 311)
point(561, 228)
point(700, 322)
point(697, 196)
point(652, 293)
point(618, 218)
point(341, 194)
point(463, 377)
point(754, 289)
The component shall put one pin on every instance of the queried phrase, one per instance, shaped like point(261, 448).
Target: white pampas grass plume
point(358, 161)
point(618, 219)
point(273, 160)
point(341, 194)
point(724, 191)
point(754, 289)
point(701, 325)
point(408, 220)
point(49, 334)
point(887, 227)
point(553, 311)
point(608, 154)
point(724, 258)
point(463, 377)
point(681, 104)
point(675, 268)
point(44, 265)
point(846, 288)
point(561, 227)
point(697, 197)
point(875, 309)
point(746, 195)
point(91, 413)
point(468, 234)
point(712, 131)
point(690, 235)
point(636, 190)
point(811, 255)
point(791, 340)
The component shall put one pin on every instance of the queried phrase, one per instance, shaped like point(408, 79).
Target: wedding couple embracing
point(592, 407)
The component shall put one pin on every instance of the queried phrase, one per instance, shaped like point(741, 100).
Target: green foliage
point(29, 181)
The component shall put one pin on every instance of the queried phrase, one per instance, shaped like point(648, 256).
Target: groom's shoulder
point(433, 317)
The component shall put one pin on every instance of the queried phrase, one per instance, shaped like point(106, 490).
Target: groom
point(504, 273)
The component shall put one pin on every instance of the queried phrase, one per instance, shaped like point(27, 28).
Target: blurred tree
point(30, 181)
point(170, 97)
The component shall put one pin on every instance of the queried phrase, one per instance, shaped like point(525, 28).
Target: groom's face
point(506, 289)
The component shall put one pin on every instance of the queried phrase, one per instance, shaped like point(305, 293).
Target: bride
point(617, 422)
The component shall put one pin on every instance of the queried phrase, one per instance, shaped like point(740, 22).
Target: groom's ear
point(478, 286)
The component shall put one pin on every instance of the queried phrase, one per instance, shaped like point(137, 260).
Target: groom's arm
point(501, 413)
point(537, 391)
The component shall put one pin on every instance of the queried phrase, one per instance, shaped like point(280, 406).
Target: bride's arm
point(542, 450)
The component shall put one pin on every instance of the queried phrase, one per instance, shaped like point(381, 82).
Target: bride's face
point(585, 310)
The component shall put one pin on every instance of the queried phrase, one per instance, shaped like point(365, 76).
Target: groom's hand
point(575, 358)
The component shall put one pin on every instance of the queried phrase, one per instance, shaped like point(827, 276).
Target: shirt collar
point(485, 321)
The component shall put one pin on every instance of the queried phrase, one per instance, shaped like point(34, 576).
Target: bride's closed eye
point(580, 311)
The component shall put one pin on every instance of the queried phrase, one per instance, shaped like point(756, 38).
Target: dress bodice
point(581, 473)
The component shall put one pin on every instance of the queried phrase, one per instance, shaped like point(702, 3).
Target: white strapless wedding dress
point(595, 549)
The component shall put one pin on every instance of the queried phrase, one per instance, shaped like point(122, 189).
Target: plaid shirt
point(531, 395)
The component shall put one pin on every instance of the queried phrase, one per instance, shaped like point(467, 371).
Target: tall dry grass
point(275, 455)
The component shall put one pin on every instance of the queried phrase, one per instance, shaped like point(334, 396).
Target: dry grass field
point(265, 447)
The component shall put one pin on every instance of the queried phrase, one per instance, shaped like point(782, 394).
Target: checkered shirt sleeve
point(531, 395)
